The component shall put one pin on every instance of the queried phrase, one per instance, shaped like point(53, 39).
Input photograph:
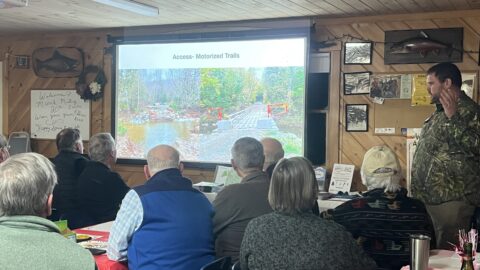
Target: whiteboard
point(54, 110)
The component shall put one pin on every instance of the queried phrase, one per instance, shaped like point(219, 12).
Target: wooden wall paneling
point(421, 24)
point(461, 4)
point(353, 145)
point(21, 82)
point(333, 119)
point(352, 149)
point(472, 23)
point(390, 26)
point(133, 175)
point(444, 4)
point(107, 95)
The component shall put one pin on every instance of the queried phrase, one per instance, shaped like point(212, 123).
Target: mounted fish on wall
point(423, 46)
point(61, 62)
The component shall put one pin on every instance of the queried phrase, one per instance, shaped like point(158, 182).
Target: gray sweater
point(300, 242)
point(30, 242)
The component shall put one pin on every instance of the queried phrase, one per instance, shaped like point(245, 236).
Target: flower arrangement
point(463, 238)
point(91, 83)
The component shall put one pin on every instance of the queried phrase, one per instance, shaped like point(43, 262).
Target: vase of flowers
point(467, 240)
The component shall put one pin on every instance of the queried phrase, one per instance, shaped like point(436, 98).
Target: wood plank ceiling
point(64, 15)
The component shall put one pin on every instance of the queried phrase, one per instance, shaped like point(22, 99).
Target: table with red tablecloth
point(103, 263)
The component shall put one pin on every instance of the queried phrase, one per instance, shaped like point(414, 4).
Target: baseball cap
point(380, 161)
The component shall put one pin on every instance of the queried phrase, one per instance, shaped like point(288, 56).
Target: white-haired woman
point(292, 237)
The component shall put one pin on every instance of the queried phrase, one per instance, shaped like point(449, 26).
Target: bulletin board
point(53, 110)
point(398, 114)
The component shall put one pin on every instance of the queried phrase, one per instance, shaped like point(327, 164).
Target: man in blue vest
point(165, 223)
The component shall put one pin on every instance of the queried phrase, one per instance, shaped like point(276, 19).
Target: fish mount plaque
point(423, 46)
point(59, 62)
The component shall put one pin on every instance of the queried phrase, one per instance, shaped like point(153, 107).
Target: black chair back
point(223, 263)
point(236, 266)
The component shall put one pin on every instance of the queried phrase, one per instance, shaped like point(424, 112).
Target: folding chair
point(19, 142)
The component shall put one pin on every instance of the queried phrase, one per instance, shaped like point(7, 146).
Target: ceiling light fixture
point(13, 3)
point(131, 6)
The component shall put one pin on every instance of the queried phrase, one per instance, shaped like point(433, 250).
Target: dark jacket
point(68, 165)
point(100, 192)
point(235, 206)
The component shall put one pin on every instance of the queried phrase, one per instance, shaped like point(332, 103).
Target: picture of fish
point(423, 46)
point(58, 62)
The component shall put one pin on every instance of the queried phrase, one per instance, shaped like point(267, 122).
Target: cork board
point(398, 114)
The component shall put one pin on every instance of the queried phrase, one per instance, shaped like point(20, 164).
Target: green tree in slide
point(230, 89)
point(134, 93)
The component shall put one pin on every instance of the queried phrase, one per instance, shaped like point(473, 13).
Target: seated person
point(384, 218)
point(292, 237)
point(69, 164)
point(165, 223)
point(27, 239)
point(100, 190)
point(4, 153)
point(273, 151)
point(236, 204)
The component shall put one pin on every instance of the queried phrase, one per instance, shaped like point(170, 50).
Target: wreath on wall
point(91, 83)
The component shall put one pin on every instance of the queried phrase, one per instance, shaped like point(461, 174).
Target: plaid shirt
point(128, 220)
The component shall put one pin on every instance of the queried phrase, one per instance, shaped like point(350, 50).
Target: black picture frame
point(356, 83)
point(356, 117)
point(358, 53)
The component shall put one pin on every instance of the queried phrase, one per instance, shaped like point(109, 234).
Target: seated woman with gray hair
point(292, 237)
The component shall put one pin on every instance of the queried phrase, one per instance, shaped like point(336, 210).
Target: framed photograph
point(356, 83)
point(357, 53)
point(22, 61)
point(356, 117)
point(391, 86)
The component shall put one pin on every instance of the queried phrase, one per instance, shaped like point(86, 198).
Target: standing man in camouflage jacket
point(446, 164)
